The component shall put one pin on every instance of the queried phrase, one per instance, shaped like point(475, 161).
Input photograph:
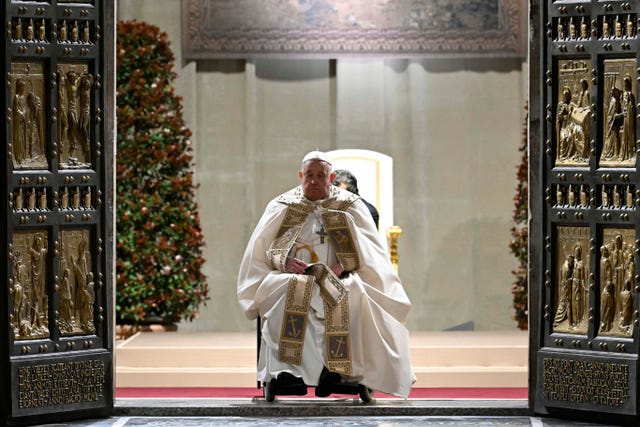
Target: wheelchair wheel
point(268, 393)
point(366, 394)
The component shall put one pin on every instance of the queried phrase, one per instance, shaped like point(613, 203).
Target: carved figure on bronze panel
point(75, 32)
point(36, 126)
point(584, 98)
point(18, 294)
point(91, 299)
point(564, 136)
point(26, 330)
point(30, 31)
point(66, 302)
point(572, 196)
point(584, 29)
point(614, 121)
point(75, 258)
point(62, 33)
point(579, 290)
point(74, 104)
point(573, 122)
point(85, 106)
point(31, 199)
point(618, 261)
point(566, 286)
point(620, 109)
point(630, 32)
point(571, 290)
point(581, 119)
point(38, 254)
point(64, 198)
point(572, 29)
point(42, 31)
point(27, 114)
point(617, 202)
point(85, 303)
point(86, 38)
point(560, 29)
point(17, 30)
point(607, 307)
point(628, 131)
point(606, 31)
point(42, 200)
point(87, 198)
point(20, 112)
point(75, 198)
point(559, 196)
point(63, 111)
point(31, 300)
point(21, 276)
point(605, 197)
point(606, 268)
point(20, 282)
point(617, 268)
point(80, 275)
point(584, 201)
point(19, 200)
point(618, 27)
point(629, 198)
point(629, 265)
point(626, 311)
point(73, 85)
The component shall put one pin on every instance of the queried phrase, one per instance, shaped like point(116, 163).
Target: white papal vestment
point(377, 303)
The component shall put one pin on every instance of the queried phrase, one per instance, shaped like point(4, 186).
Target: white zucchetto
point(316, 155)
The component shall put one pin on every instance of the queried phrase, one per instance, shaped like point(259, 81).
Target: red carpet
point(416, 393)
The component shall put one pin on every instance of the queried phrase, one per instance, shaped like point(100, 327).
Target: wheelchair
point(291, 386)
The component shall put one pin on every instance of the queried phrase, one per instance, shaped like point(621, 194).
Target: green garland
point(519, 234)
point(159, 239)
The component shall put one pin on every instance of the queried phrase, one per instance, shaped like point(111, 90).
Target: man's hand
point(295, 266)
point(337, 269)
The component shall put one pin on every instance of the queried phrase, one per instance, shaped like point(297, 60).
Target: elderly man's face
point(316, 179)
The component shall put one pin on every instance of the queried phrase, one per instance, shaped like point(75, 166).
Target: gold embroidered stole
point(333, 292)
point(294, 322)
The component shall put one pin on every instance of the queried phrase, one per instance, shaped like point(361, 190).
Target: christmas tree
point(159, 239)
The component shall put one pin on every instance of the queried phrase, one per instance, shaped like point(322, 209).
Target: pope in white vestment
point(319, 275)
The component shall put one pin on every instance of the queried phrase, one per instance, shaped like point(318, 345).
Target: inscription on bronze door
point(585, 198)
point(56, 207)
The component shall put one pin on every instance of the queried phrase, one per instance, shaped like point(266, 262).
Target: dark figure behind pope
point(332, 306)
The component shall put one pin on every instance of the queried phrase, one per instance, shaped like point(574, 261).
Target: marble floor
point(458, 421)
point(316, 412)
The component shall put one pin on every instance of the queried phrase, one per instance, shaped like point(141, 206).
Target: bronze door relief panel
point(586, 357)
point(57, 205)
point(572, 293)
point(573, 114)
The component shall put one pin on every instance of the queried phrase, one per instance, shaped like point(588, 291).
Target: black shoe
point(287, 379)
point(287, 384)
point(327, 382)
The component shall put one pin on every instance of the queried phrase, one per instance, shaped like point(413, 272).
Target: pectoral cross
point(322, 232)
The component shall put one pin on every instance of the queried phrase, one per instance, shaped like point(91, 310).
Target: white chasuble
point(368, 300)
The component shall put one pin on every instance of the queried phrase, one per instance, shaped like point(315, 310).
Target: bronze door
point(57, 204)
point(585, 198)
